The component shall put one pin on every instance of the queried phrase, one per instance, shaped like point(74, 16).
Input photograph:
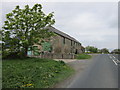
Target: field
point(33, 73)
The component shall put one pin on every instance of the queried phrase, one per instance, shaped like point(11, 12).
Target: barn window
point(71, 42)
point(63, 40)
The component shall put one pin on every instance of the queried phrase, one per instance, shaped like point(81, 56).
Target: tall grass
point(33, 73)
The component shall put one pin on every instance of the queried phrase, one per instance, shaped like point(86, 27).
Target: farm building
point(59, 46)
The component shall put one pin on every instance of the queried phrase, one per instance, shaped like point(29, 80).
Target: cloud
point(90, 23)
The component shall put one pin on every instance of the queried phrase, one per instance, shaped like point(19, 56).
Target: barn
point(61, 45)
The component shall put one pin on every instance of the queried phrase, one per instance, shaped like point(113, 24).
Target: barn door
point(47, 46)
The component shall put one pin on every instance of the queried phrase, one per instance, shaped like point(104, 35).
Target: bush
point(13, 55)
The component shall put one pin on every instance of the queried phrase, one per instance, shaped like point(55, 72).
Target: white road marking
point(110, 57)
point(113, 57)
point(115, 62)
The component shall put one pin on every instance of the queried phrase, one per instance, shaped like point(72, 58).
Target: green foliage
point(36, 51)
point(46, 46)
point(25, 27)
point(104, 50)
point(83, 56)
point(116, 51)
point(33, 73)
point(91, 49)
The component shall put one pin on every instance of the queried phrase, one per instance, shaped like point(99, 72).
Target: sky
point(91, 23)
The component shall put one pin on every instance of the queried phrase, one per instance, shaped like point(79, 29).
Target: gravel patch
point(66, 60)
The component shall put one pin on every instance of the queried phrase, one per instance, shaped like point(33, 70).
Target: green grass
point(83, 56)
point(0, 73)
point(33, 73)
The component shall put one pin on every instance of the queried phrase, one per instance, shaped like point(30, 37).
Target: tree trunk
point(26, 49)
point(25, 52)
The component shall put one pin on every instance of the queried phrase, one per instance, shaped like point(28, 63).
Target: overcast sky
point(91, 23)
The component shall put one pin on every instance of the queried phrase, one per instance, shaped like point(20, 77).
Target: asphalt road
point(101, 73)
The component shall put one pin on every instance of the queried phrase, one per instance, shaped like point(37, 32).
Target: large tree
point(104, 50)
point(91, 49)
point(25, 27)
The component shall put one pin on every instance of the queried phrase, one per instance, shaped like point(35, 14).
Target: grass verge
point(33, 73)
point(83, 56)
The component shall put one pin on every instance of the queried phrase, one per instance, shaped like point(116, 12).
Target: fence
point(56, 56)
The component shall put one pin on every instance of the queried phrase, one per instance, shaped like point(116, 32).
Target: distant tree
point(25, 27)
point(91, 49)
point(116, 51)
point(104, 50)
point(99, 51)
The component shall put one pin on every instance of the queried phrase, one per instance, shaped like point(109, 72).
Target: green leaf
point(25, 27)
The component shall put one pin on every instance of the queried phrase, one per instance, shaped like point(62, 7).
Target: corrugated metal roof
point(61, 33)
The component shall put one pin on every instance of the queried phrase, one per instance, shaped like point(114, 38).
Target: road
point(101, 73)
